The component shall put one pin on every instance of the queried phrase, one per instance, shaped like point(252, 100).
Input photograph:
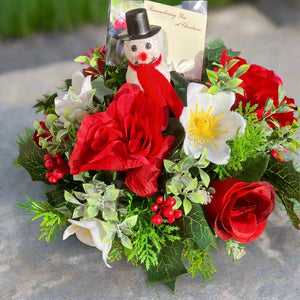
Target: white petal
point(231, 122)
point(184, 117)
point(194, 91)
point(219, 155)
point(69, 231)
point(222, 102)
point(190, 149)
point(86, 85)
point(84, 235)
point(77, 81)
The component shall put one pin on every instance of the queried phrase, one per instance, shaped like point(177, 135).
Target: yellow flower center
point(203, 126)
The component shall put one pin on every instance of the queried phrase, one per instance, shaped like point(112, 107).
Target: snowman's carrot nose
point(143, 56)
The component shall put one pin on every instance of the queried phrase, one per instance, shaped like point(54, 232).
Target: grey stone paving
point(30, 269)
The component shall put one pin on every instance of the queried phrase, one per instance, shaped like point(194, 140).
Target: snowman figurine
point(142, 46)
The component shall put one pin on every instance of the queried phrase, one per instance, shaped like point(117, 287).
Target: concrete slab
point(30, 269)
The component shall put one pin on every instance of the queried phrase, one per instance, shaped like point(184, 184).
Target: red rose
point(260, 84)
point(239, 209)
point(126, 137)
point(47, 136)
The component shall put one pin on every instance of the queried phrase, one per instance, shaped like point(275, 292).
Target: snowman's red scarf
point(156, 86)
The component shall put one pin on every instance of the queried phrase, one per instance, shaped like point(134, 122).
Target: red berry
point(52, 179)
point(58, 173)
point(57, 155)
point(50, 164)
point(61, 162)
point(47, 157)
point(168, 212)
point(177, 214)
point(160, 199)
point(154, 207)
point(48, 175)
point(171, 220)
point(170, 201)
point(156, 219)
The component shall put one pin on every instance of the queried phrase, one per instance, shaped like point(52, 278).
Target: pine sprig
point(53, 219)
point(199, 260)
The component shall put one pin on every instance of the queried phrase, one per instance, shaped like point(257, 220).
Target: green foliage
point(46, 104)
point(196, 228)
point(53, 219)
point(188, 187)
point(236, 249)
point(220, 80)
point(286, 181)
point(180, 86)
point(115, 77)
point(147, 239)
point(251, 144)
point(169, 265)
point(97, 197)
point(32, 159)
point(199, 261)
point(213, 54)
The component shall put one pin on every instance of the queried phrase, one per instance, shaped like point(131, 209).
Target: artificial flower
point(260, 84)
point(46, 135)
point(239, 209)
point(90, 232)
point(78, 97)
point(98, 62)
point(209, 123)
point(126, 137)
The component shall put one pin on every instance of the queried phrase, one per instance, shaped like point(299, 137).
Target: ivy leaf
point(198, 229)
point(286, 181)
point(180, 86)
point(32, 159)
point(101, 89)
point(284, 177)
point(187, 206)
point(169, 265)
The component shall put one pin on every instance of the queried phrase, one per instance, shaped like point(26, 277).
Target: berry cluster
point(57, 165)
point(166, 208)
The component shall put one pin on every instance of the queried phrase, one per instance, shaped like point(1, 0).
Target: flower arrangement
point(159, 187)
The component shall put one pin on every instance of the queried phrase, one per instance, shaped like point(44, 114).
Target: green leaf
point(286, 181)
point(204, 177)
point(241, 70)
point(284, 177)
point(213, 90)
point(32, 159)
point(212, 76)
point(126, 241)
point(169, 266)
point(281, 93)
point(83, 59)
point(235, 82)
point(253, 168)
point(169, 166)
point(180, 86)
point(70, 198)
point(187, 206)
point(129, 222)
point(101, 89)
point(198, 229)
point(192, 185)
point(196, 197)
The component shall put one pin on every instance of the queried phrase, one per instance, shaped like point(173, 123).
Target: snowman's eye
point(148, 46)
point(134, 48)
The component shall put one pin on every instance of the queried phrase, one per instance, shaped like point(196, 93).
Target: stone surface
point(30, 269)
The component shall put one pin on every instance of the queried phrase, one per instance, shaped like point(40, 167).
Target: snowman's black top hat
point(138, 25)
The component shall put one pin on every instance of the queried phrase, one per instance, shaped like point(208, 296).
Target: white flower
point(209, 123)
point(78, 97)
point(90, 232)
